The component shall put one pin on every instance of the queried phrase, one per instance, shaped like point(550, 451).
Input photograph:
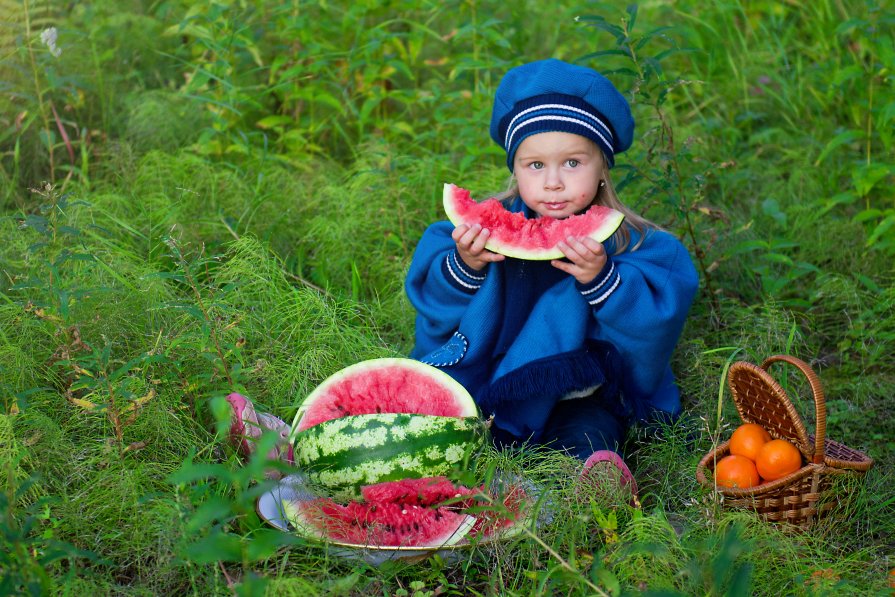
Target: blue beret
point(552, 95)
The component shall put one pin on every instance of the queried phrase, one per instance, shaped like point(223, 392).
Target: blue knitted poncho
point(521, 335)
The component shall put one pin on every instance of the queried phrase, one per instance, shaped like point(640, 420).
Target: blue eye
point(572, 163)
point(536, 165)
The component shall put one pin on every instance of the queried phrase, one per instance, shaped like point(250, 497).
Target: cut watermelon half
point(386, 525)
point(388, 385)
point(384, 420)
point(413, 513)
point(513, 235)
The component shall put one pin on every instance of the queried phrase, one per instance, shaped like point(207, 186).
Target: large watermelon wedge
point(384, 420)
point(535, 239)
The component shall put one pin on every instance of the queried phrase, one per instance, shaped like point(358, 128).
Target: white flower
point(48, 38)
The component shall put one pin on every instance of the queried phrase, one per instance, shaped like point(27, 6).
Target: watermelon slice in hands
point(513, 235)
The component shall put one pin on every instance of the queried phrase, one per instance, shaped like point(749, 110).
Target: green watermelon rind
point(342, 455)
point(611, 222)
point(463, 399)
point(307, 529)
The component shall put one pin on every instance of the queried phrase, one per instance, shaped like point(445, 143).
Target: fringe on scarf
point(551, 378)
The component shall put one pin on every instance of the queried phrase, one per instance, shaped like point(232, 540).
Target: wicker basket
point(811, 492)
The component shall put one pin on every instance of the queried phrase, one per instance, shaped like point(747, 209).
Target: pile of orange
point(755, 458)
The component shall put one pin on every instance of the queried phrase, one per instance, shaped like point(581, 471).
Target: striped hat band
point(555, 112)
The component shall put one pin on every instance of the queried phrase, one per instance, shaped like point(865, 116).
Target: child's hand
point(587, 258)
point(471, 246)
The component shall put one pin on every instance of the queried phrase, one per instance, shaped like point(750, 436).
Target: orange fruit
point(748, 439)
point(736, 471)
point(778, 458)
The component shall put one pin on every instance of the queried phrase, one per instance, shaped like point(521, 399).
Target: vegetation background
point(201, 197)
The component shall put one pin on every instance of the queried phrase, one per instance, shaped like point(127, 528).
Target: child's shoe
point(605, 466)
point(247, 425)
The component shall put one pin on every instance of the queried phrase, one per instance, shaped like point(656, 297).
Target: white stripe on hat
point(561, 107)
point(560, 118)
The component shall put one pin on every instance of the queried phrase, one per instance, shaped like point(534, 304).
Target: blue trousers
point(579, 426)
point(583, 426)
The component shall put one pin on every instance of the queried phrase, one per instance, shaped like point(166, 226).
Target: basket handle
point(820, 403)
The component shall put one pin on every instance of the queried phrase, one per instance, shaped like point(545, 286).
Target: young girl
point(566, 353)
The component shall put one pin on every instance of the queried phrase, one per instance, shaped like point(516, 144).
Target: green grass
point(236, 202)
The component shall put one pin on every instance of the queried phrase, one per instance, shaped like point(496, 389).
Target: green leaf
point(600, 23)
point(844, 198)
point(266, 542)
point(38, 223)
point(849, 24)
point(867, 214)
point(886, 114)
point(806, 267)
point(868, 283)
point(607, 579)
point(632, 15)
point(273, 121)
point(217, 547)
point(778, 258)
point(749, 246)
point(214, 511)
point(842, 138)
point(741, 582)
point(777, 244)
point(847, 74)
point(884, 226)
point(866, 176)
point(614, 52)
point(771, 208)
point(657, 32)
point(654, 66)
point(671, 51)
point(190, 472)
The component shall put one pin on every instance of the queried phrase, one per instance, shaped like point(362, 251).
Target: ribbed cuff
point(460, 275)
point(601, 287)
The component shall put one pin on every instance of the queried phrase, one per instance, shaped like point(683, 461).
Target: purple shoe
point(615, 468)
point(247, 425)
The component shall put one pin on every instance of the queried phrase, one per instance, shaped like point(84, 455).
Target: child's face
point(558, 173)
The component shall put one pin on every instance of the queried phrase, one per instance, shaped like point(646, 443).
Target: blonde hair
point(606, 196)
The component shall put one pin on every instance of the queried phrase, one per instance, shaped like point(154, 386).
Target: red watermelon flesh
point(390, 385)
point(429, 491)
point(514, 235)
point(385, 524)
point(410, 513)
